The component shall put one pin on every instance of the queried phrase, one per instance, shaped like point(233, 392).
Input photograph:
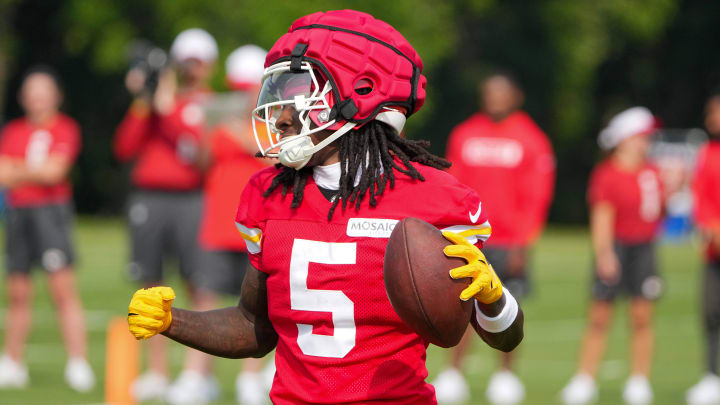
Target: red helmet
point(355, 69)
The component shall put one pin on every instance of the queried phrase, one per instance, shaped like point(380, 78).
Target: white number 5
point(302, 298)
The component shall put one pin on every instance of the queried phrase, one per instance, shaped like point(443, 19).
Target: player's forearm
point(507, 339)
point(602, 218)
point(223, 332)
point(51, 172)
point(46, 176)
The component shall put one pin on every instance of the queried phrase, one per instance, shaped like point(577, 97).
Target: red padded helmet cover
point(354, 47)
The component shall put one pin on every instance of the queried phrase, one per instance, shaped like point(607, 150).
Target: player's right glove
point(486, 286)
point(149, 311)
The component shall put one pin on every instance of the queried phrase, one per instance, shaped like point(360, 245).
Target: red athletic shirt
point(635, 195)
point(23, 140)
point(164, 147)
point(706, 190)
point(512, 167)
point(231, 168)
point(339, 339)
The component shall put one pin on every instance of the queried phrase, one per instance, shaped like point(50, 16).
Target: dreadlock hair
point(368, 153)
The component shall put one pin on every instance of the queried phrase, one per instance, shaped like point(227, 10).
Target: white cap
point(633, 121)
point(194, 43)
point(244, 67)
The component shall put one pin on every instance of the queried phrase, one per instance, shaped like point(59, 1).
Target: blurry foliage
point(579, 61)
point(103, 28)
point(6, 43)
point(583, 33)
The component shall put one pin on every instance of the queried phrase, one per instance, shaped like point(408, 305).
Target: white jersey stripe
point(472, 233)
point(252, 236)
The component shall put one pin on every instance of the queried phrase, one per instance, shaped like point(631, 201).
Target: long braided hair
point(369, 151)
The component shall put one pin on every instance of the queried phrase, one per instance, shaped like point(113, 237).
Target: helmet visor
point(281, 89)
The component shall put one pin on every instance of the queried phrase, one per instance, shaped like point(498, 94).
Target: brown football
point(419, 285)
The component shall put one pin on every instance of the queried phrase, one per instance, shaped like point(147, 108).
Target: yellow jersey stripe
point(472, 232)
point(254, 239)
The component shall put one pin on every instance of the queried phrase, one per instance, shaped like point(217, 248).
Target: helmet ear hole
point(364, 86)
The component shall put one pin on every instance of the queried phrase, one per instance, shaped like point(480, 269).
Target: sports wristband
point(503, 320)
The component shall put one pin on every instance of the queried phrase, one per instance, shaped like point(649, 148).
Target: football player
point(228, 154)
point(160, 135)
point(336, 92)
point(626, 199)
point(518, 166)
point(706, 192)
point(37, 152)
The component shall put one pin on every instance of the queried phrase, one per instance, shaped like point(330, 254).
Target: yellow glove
point(486, 286)
point(149, 311)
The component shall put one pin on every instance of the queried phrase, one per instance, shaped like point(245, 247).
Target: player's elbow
point(123, 153)
point(263, 350)
point(265, 341)
point(509, 345)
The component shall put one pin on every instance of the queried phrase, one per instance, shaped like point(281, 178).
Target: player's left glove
point(486, 286)
point(149, 311)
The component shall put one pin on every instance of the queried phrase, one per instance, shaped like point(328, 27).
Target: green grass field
point(554, 322)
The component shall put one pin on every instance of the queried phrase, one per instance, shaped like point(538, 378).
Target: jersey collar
point(328, 177)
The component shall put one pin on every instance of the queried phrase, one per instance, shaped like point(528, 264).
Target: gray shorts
point(163, 224)
point(221, 271)
point(638, 274)
point(39, 235)
point(518, 284)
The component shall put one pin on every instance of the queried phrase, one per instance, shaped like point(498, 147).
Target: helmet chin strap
point(298, 150)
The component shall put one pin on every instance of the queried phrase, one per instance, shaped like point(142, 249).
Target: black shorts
point(711, 298)
point(221, 271)
point(162, 224)
point(518, 284)
point(638, 274)
point(39, 235)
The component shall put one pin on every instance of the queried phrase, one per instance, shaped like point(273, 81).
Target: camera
point(150, 59)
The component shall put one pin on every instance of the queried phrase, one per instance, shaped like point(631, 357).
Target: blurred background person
point(502, 154)
point(37, 152)
point(228, 155)
point(626, 200)
point(161, 133)
point(706, 192)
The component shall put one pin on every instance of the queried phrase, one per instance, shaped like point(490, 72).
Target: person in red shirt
point(516, 187)
point(37, 152)
point(626, 200)
point(229, 158)
point(316, 225)
point(161, 135)
point(706, 193)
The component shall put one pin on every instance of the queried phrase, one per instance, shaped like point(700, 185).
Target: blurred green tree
point(6, 43)
point(579, 61)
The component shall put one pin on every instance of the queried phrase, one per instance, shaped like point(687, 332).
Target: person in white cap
point(161, 135)
point(625, 198)
point(228, 156)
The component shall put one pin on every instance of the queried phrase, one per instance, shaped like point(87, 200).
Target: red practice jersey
point(164, 147)
point(23, 140)
point(635, 195)
point(230, 170)
point(706, 190)
point(511, 165)
point(340, 341)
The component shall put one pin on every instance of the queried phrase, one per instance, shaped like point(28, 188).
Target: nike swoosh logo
point(474, 217)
